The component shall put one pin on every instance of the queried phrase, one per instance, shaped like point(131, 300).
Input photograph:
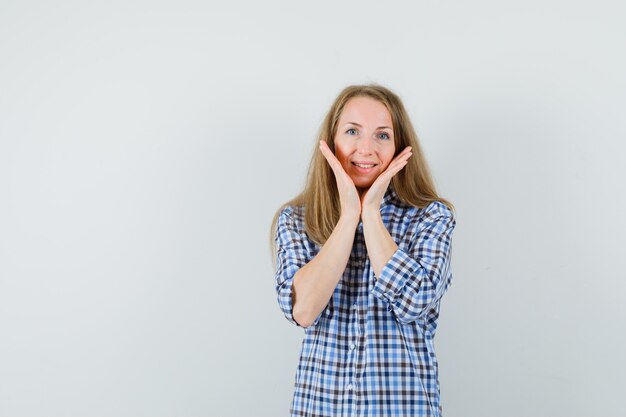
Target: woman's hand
point(373, 196)
point(348, 194)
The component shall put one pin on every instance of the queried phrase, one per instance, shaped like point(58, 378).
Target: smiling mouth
point(364, 165)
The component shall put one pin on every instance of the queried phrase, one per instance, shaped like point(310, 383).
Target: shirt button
point(349, 387)
point(354, 306)
point(352, 346)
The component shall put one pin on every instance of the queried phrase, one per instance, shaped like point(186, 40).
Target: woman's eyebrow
point(379, 127)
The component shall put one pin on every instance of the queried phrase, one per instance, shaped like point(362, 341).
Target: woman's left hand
point(372, 198)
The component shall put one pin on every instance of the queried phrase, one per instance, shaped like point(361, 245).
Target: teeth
point(365, 166)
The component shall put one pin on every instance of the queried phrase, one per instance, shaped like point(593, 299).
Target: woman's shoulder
point(291, 213)
point(438, 209)
point(433, 211)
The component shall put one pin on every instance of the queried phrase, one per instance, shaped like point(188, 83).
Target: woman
point(362, 261)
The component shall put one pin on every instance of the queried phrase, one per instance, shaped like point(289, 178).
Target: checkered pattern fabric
point(370, 352)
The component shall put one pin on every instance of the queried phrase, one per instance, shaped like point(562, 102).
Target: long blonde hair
point(413, 184)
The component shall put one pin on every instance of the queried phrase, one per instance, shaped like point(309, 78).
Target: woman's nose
point(364, 145)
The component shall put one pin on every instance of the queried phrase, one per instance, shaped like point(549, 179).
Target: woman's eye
point(350, 130)
point(385, 136)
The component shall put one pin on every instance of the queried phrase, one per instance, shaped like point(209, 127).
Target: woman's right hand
point(348, 194)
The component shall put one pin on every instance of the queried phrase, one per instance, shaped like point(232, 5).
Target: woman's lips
point(362, 169)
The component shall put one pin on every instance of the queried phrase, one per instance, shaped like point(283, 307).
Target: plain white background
point(145, 146)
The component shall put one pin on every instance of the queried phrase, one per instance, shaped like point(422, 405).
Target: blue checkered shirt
point(370, 351)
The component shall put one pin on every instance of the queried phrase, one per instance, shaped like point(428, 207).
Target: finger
point(328, 154)
point(399, 167)
point(400, 162)
point(406, 156)
point(393, 169)
point(333, 161)
point(401, 159)
point(406, 152)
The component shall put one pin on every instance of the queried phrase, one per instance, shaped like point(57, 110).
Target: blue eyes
point(381, 135)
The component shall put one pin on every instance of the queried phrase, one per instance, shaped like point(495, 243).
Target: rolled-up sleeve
point(291, 255)
point(414, 280)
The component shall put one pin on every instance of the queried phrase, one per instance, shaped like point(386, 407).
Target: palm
point(348, 194)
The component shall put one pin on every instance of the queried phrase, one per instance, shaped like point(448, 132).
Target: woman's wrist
point(349, 220)
point(370, 214)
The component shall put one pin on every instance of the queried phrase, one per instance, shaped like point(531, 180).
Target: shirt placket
point(355, 332)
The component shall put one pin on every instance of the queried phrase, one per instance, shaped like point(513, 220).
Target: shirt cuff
point(394, 275)
point(284, 299)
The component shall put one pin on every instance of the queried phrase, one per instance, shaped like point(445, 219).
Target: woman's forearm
point(315, 282)
point(380, 246)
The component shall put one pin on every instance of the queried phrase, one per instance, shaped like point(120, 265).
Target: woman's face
point(364, 142)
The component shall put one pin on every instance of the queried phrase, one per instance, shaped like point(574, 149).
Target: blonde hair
point(413, 184)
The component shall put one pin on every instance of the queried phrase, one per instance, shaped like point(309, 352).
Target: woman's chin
point(362, 184)
point(362, 187)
